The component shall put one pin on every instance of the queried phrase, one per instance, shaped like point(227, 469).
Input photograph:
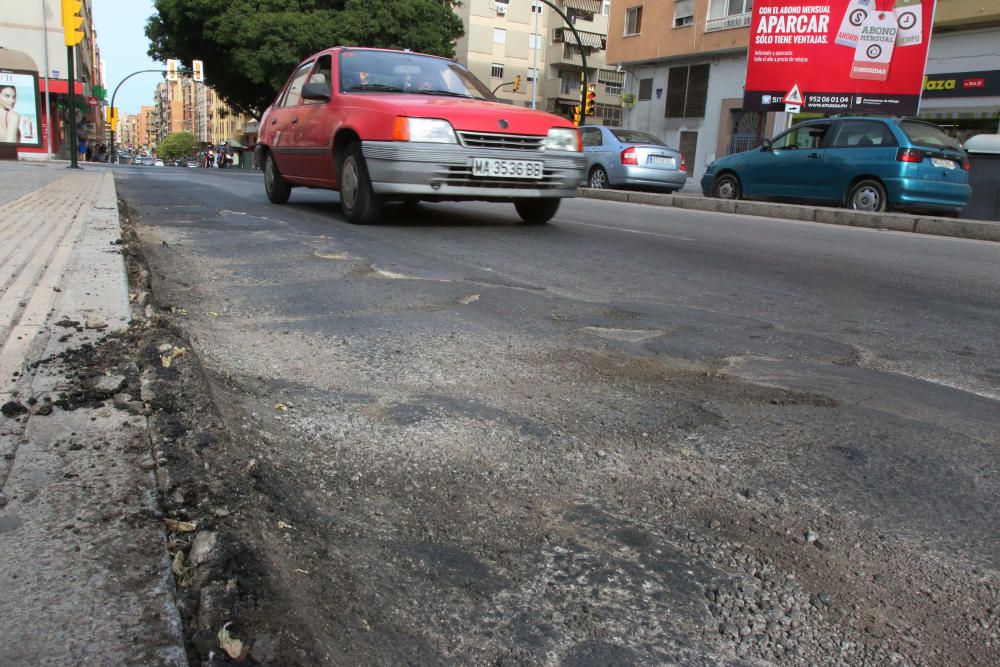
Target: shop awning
point(592, 6)
point(60, 86)
point(610, 77)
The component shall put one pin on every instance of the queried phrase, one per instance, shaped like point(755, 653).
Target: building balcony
point(729, 22)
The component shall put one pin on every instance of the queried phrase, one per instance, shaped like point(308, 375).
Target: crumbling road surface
point(632, 436)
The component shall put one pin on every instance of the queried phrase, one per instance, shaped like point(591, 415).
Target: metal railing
point(728, 22)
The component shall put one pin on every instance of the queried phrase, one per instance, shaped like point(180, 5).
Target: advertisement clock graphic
point(858, 17)
point(874, 51)
point(907, 20)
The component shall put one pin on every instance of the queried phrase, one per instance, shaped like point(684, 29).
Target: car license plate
point(939, 162)
point(660, 160)
point(507, 168)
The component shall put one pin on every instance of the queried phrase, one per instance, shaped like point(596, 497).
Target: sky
point(121, 26)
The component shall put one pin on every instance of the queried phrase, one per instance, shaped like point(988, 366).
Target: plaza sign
point(845, 56)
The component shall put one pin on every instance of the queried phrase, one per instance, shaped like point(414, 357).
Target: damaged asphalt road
point(657, 440)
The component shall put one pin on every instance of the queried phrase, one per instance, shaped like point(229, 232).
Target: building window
point(728, 14)
point(536, 8)
point(496, 72)
point(687, 91)
point(534, 41)
point(610, 114)
point(683, 13)
point(532, 74)
point(611, 80)
point(606, 8)
point(499, 36)
point(645, 90)
point(574, 15)
point(633, 20)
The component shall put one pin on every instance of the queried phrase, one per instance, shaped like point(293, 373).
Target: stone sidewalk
point(84, 572)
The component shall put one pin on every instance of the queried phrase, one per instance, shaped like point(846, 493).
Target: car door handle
point(814, 156)
point(274, 121)
point(294, 121)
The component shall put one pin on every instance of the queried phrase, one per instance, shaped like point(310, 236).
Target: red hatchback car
point(381, 125)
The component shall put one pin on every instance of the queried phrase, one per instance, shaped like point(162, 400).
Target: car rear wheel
point(867, 195)
point(727, 186)
point(357, 198)
point(537, 211)
point(598, 178)
point(277, 188)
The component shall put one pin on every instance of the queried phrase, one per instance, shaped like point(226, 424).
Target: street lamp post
point(583, 57)
point(114, 151)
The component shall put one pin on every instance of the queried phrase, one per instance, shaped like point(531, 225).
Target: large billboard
point(838, 56)
point(19, 121)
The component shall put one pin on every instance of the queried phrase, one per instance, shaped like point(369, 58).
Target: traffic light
point(517, 83)
point(591, 98)
point(112, 116)
point(72, 22)
point(172, 67)
point(198, 70)
point(576, 115)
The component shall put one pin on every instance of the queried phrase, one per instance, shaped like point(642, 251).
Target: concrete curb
point(979, 230)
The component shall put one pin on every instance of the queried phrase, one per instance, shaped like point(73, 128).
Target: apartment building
point(145, 134)
point(505, 39)
point(31, 39)
point(685, 64)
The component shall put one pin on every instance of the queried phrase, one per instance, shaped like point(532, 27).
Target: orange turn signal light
point(401, 129)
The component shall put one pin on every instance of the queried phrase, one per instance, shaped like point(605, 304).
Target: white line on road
point(629, 231)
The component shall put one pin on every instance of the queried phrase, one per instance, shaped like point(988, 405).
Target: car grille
point(462, 177)
point(524, 142)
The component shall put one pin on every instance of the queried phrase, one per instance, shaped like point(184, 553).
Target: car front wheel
point(277, 188)
point(357, 198)
point(727, 186)
point(868, 195)
point(598, 178)
point(537, 211)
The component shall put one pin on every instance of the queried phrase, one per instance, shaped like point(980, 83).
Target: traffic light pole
point(73, 141)
point(583, 57)
point(114, 152)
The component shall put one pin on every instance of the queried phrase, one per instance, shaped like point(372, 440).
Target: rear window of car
point(634, 137)
point(925, 134)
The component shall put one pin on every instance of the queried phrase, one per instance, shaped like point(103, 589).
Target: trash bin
point(984, 177)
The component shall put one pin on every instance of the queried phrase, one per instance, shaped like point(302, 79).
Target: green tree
point(177, 145)
point(250, 47)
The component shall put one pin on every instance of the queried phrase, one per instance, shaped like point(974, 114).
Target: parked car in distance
point(158, 162)
point(381, 125)
point(863, 163)
point(192, 162)
point(620, 158)
point(144, 161)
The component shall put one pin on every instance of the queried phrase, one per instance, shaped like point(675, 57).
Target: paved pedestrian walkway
point(84, 574)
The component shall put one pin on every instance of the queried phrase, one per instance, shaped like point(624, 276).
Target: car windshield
point(369, 71)
point(925, 134)
point(634, 137)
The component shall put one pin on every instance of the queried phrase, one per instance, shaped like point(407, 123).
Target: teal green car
point(863, 163)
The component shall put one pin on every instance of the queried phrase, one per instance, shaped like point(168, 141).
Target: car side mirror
point(316, 91)
point(766, 146)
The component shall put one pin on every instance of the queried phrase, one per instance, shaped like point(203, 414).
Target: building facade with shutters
point(505, 39)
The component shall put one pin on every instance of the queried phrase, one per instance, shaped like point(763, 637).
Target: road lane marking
point(629, 231)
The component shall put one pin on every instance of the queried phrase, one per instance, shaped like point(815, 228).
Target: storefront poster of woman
point(18, 112)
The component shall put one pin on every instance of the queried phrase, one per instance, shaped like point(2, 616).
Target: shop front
point(964, 103)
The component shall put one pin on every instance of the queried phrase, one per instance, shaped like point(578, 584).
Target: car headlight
point(430, 130)
point(562, 139)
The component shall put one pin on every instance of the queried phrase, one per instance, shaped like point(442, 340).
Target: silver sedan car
point(619, 158)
